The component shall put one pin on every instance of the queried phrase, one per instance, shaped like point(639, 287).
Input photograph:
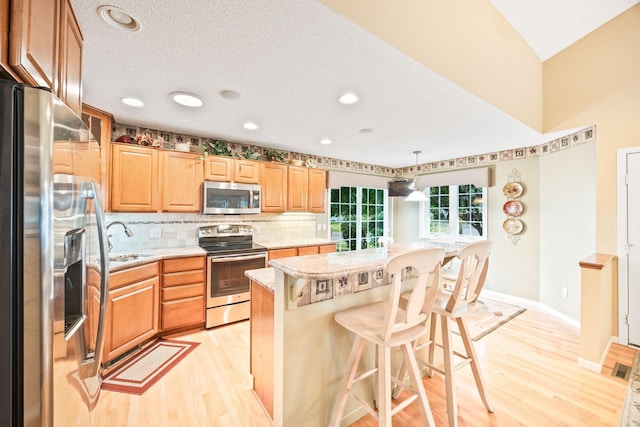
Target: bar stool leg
point(347, 380)
point(475, 367)
point(384, 385)
point(432, 336)
point(416, 378)
point(449, 369)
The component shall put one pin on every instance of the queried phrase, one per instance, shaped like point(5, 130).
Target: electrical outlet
point(565, 292)
point(155, 233)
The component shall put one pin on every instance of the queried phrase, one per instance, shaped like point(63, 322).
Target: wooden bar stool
point(389, 324)
point(453, 306)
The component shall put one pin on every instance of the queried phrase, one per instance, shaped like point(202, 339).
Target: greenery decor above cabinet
point(44, 47)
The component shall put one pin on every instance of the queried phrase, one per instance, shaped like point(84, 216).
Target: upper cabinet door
point(70, 60)
point(218, 169)
point(298, 189)
point(274, 187)
point(181, 182)
point(134, 178)
point(317, 190)
point(33, 41)
point(246, 171)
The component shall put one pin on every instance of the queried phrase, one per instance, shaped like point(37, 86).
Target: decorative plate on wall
point(513, 226)
point(513, 208)
point(513, 190)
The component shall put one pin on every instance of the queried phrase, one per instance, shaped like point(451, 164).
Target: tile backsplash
point(174, 230)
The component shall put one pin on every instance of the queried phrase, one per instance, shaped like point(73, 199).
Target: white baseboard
point(592, 366)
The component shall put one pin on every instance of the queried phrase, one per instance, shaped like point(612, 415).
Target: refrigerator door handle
point(90, 364)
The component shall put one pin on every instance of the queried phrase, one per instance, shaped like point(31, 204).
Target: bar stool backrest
point(426, 263)
point(472, 273)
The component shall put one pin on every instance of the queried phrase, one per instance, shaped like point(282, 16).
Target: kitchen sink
point(127, 257)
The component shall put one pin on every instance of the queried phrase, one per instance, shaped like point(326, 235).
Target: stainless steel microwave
point(230, 198)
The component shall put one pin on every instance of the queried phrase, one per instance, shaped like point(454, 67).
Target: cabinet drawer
point(307, 250)
point(324, 249)
point(282, 253)
point(187, 291)
point(182, 278)
point(183, 264)
point(133, 274)
point(184, 312)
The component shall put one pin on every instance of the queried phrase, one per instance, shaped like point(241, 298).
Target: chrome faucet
point(127, 230)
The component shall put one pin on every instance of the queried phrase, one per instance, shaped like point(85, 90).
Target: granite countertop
point(150, 255)
point(281, 244)
point(262, 276)
point(337, 264)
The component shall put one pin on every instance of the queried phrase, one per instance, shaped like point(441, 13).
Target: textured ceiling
point(289, 60)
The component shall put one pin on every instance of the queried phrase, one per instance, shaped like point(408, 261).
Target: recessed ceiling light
point(326, 141)
point(229, 94)
point(366, 130)
point(250, 126)
point(187, 99)
point(119, 19)
point(132, 102)
point(348, 98)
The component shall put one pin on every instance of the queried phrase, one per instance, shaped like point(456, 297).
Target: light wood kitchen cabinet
point(282, 253)
point(183, 292)
point(301, 250)
point(325, 249)
point(227, 169)
point(317, 190)
point(69, 87)
point(135, 178)
point(181, 182)
point(274, 187)
point(44, 47)
point(297, 189)
point(246, 171)
point(218, 168)
point(33, 41)
point(132, 313)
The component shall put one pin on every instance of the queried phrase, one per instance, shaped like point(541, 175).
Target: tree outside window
point(455, 211)
point(357, 217)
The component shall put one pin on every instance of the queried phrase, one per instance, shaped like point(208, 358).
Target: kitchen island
point(298, 352)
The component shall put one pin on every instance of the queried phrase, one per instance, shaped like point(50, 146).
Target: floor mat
point(488, 316)
point(147, 367)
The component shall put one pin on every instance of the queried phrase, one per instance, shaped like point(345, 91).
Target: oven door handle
point(214, 259)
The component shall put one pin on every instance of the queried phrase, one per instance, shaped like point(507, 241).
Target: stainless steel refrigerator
point(53, 262)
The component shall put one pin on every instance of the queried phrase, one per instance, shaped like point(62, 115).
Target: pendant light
point(416, 195)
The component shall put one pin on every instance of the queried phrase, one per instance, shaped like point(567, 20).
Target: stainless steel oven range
point(230, 251)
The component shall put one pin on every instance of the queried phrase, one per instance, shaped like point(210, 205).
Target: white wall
point(567, 224)
point(514, 269)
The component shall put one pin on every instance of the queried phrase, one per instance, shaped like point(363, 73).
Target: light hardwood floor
point(530, 368)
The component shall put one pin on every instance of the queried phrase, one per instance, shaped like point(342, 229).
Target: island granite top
point(336, 264)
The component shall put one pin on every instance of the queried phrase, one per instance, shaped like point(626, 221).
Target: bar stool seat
point(389, 324)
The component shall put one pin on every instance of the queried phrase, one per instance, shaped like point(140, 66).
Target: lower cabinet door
point(133, 316)
point(182, 312)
